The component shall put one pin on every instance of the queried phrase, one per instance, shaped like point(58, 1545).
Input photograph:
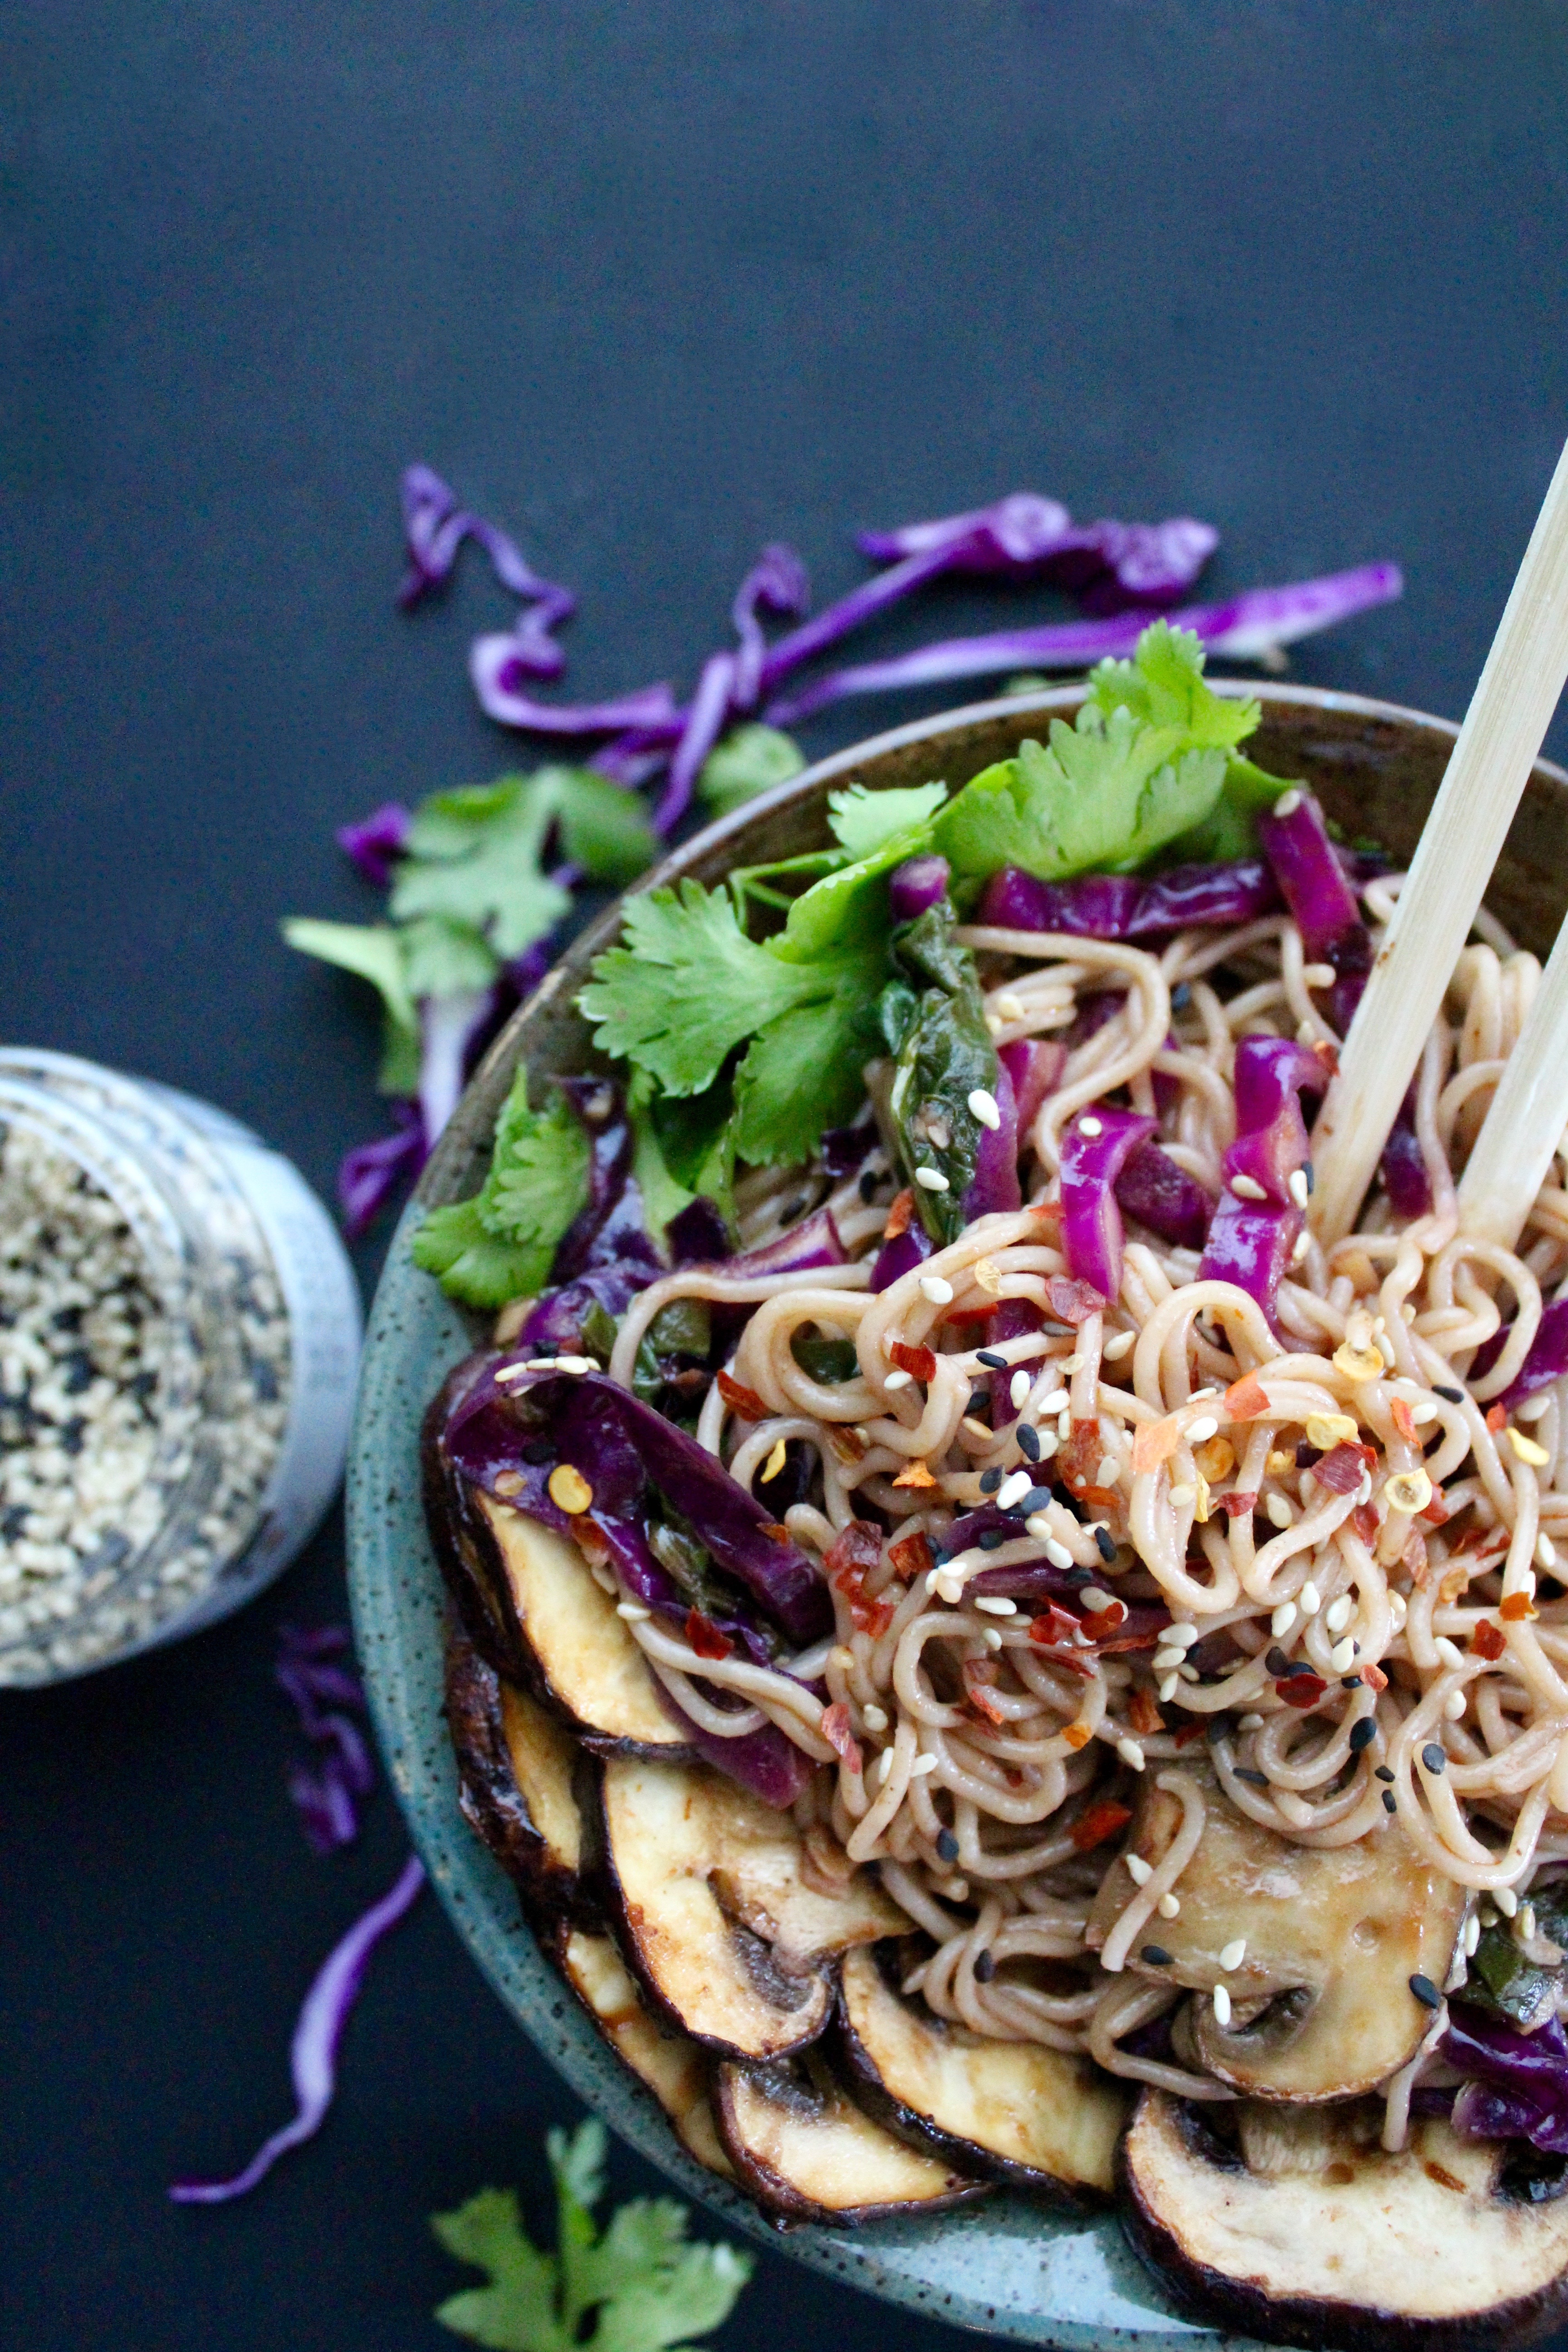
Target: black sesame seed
point(1426, 1993)
point(1349, 1682)
point(946, 1845)
point(980, 1399)
point(1435, 1756)
point(985, 1968)
point(1362, 1733)
point(1298, 1666)
point(993, 1363)
point(1180, 996)
point(1308, 1171)
point(1035, 1500)
point(537, 1451)
point(1255, 1780)
point(992, 1539)
point(1390, 1802)
point(1382, 1772)
point(1277, 1662)
point(1450, 1396)
point(1106, 1542)
point(1157, 1956)
point(989, 1481)
point(868, 1183)
point(1028, 1441)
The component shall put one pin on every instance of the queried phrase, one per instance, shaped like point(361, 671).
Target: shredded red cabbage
point(1249, 1244)
point(901, 1255)
point(1091, 1221)
point(813, 1242)
point(1163, 1197)
point(371, 1173)
point(326, 1793)
point(1517, 2085)
point(435, 527)
point(1026, 537)
point(376, 840)
point(314, 2051)
point(1014, 1319)
point(993, 1188)
point(1034, 1068)
point(1129, 906)
point(1545, 1363)
point(1251, 1241)
point(917, 884)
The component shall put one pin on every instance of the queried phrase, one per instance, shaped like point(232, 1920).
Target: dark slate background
point(651, 283)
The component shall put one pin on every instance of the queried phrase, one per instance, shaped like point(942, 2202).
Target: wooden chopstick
point(1502, 733)
point(1529, 1113)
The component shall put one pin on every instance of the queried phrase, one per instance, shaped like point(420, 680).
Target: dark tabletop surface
point(652, 283)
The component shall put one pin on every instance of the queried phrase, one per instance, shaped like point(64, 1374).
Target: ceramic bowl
point(1005, 2267)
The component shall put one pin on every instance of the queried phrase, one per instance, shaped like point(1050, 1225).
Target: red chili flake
point(911, 1556)
point(1488, 1641)
point(848, 1445)
point(1497, 1417)
point(1237, 1504)
point(919, 1362)
point(1373, 1678)
point(919, 1474)
point(1051, 1211)
point(840, 1737)
point(1186, 1733)
point(1143, 1715)
point(1072, 1301)
point(853, 1550)
point(1328, 1053)
point(1364, 1519)
point(704, 1637)
point(1100, 1624)
point(1515, 1607)
point(980, 1695)
point(1245, 1399)
point(1301, 1690)
point(1340, 1470)
point(899, 1216)
point(775, 1530)
point(740, 1400)
point(1053, 1625)
point(1400, 1413)
point(1437, 1512)
point(1105, 1819)
point(1080, 1457)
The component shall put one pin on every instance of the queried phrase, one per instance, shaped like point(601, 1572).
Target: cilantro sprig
point(499, 1245)
point(645, 2287)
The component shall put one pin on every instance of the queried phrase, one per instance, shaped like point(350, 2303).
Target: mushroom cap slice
point(518, 1769)
point(674, 2069)
point(1014, 2111)
point(1322, 2005)
point(807, 2153)
point(712, 1906)
point(1325, 2241)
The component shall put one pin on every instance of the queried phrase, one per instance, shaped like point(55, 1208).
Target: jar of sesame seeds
point(179, 1340)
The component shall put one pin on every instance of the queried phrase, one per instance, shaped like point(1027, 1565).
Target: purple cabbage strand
point(327, 1791)
point(1091, 1221)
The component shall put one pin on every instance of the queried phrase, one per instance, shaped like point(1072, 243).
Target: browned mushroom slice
point(807, 2153)
point(674, 2069)
point(1320, 2001)
point(517, 1773)
point(713, 1911)
point(1296, 2227)
point(1042, 2119)
point(571, 1647)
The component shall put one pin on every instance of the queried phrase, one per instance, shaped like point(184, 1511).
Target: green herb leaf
point(650, 2288)
point(749, 760)
point(944, 1053)
point(849, 908)
point(1163, 687)
point(1230, 828)
point(863, 822)
point(474, 857)
point(603, 829)
point(827, 1357)
point(499, 1244)
point(443, 957)
point(371, 951)
point(689, 987)
point(802, 1073)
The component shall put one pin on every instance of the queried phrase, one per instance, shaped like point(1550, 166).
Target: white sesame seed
point(1283, 1619)
point(1233, 1955)
point(1057, 1552)
point(1169, 1906)
point(1472, 1934)
point(1131, 1753)
point(1181, 1635)
point(1087, 1125)
point(1054, 1402)
point(922, 1765)
point(1299, 1247)
point(986, 1109)
point(1448, 1651)
point(933, 1578)
point(1340, 1612)
point(1342, 1657)
point(1527, 1923)
point(884, 1766)
point(1199, 1432)
point(633, 1612)
point(994, 1605)
point(1507, 1901)
point(994, 1023)
point(1009, 1006)
point(577, 1364)
point(1164, 1660)
point(1310, 1600)
point(948, 1589)
point(1018, 1387)
point(938, 1292)
point(536, 1364)
point(1546, 1552)
point(1120, 1344)
point(1423, 1411)
point(1138, 1871)
point(1247, 1188)
point(1287, 802)
point(1278, 1512)
point(1453, 1706)
point(876, 1717)
point(1064, 1426)
point(1168, 1688)
point(1250, 1723)
point(1298, 1181)
point(992, 1637)
point(897, 1380)
point(1012, 1489)
point(1534, 1408)
point(932, 1180)
point(1107, 1471)
point(1221, 2005)
point(1182, 1494)
point(1095, 1596)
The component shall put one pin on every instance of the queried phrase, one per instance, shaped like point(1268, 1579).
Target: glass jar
point(179, 1340)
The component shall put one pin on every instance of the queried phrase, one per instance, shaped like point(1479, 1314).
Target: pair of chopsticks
point(1503, 734)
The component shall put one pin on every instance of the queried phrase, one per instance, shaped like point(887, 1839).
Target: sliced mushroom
point(674, 2069)
point(559, 1629)
point(1320, 2001)
point(714, 1913)
point(1041, 2119)
point(518, 1769)
point(806, 2152)
point(1325, 2241)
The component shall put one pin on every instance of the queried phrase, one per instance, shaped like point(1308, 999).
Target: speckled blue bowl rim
point(1006, 2266)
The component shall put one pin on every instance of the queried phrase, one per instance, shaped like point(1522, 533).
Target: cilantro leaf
point(1163, 686)
point(749, 760)
point(371, 951)
point(474, 856)
point(650, 2288)
point(849, 908)
point(1230, 828)
point(802, 1074)
point(444, 959)
point(862, 821)
point(499, 1244)
point(696, 1138)
point(604, 828)
point(689, 987)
